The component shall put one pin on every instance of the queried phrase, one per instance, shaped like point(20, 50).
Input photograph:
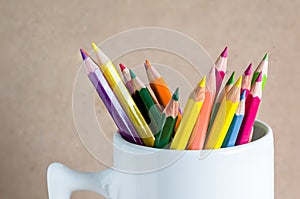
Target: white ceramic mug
point(245, 171)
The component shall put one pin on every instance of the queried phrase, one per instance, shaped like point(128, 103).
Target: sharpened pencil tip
point(248, 71)
point(175, 96)
point(266, 57)
point(202, 82)
point(95, 47)
point(225, 52)
point(231, 79)
point(259, 78)
point(147, 64)
point(132, 75)
point(239, 82)
point(84, 54)
point(243, 95)
point(122, 67)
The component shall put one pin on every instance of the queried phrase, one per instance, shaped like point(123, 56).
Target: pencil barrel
point(233, 131)
point(127, 103)
point(163, 137)
point(114, 108)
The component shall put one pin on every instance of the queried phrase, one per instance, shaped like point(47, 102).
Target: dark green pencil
point(167, 122)
point(142, 93)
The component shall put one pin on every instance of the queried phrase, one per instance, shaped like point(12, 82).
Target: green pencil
point(167, 122)
point(262, 67)
point(141, 92)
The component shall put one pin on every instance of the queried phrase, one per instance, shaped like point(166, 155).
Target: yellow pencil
point(189, 117)
point(124, 97)
point(224, 117)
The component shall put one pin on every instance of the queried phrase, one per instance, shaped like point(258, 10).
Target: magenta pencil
point(221, 67)
point(110, 101)
point(252, 105)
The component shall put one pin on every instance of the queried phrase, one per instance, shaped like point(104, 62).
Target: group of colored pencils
point(150, 115)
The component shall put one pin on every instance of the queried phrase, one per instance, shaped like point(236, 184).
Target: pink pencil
point(221, 67)
point(252, 105)
point(246, 83)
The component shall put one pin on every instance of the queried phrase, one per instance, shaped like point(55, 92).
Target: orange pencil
point(198, 136)
point(160, 88)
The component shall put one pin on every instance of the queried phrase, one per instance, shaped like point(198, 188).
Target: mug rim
point(258, 123)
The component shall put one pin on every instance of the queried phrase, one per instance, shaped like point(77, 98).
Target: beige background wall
point(40, 57)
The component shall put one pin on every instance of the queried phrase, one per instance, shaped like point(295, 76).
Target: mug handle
point(62, 181)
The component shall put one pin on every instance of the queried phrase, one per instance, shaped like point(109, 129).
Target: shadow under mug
point(245, 171)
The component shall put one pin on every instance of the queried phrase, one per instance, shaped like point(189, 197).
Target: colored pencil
point(159, 87)
point(251, 134)
point(112, 76)
point(143, 109)
point(252, 106)
point(262, 67)
point(110, 101)
point(228, 86)
point(236, 123)
point(189, 117)
point(167, 122)
point(224, 117)
point(143, 93)
point(199, 133)
point(158, 84)
point(221, 67)
point(246, 84)
point(161, 108)
point(137, 99)
point(126, 77)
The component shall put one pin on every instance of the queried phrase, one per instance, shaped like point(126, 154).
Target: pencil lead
point(248, 71)
point(239, 82)
point(95, 47)
point(231, 79)
point(132, 75)
point(225, 52)
point(243, 95)
point(175, 96)
point(266, 57)
point(202, 82)
point(122, 67)
point(147, 64)
point(84, 54)
point(259, 78)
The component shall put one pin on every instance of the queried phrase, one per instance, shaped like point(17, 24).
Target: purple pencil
point(110, 101)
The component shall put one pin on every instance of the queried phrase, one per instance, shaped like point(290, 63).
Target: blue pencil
point(236, 123)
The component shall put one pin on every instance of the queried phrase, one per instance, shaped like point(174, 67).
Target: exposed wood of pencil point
point(173, 110)
point(199, 91)
point(236, 95)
